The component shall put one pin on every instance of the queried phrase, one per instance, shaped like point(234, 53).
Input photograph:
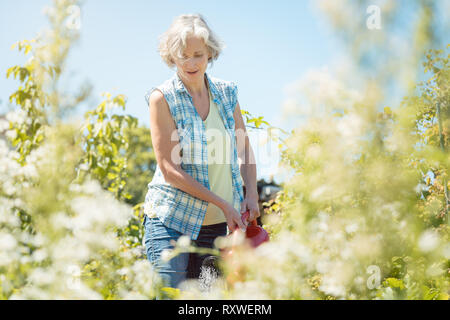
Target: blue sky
point(269, 44)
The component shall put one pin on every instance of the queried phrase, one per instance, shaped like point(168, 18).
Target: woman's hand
point(234, 220)
point(250, 203)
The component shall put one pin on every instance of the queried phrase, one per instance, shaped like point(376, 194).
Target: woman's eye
point(185, 57)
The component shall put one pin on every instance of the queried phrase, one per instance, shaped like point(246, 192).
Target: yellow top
point(219, 163)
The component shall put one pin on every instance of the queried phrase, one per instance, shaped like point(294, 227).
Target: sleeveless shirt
point(175, 208)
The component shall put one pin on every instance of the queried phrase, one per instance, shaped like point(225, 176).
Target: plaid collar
point(179, 86)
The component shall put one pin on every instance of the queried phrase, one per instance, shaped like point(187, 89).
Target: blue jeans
point(157, 237)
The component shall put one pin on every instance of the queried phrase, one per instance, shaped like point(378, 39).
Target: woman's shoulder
point(227, 87)
point(221, 83)
point(160, 91)
point(167, 85)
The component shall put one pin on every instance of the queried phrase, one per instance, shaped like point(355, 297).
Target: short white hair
point(173, 41)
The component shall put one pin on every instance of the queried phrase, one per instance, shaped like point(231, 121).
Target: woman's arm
point(247, 167)
point(162, 126)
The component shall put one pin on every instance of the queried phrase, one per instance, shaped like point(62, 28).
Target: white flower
point(4, 125)
point(428, 241)
point(347, 253)
point(350, 126)
point(99, 210)
point(317, 92)
point(123, 271)
point(84, 167)
point(323, 226)
point(11, 134)
point(166, 255)
point(446, 251)
point(7, 242)
point(70, 249)
point(318, 192)
point(41, 276)
point(40, 255)
point(435, 270)
point(29, 171)
point(6, 258)
point(351, 228)
point(184, 242)
point(332, 284)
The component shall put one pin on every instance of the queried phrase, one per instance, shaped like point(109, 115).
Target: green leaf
point(171, 293)
point(111, 175)
point(9, 71)
point(27, 49)
point(120, 100)
point(395, 283)
point(387, 110)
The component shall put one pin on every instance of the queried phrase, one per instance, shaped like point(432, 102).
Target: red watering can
point(255, 234)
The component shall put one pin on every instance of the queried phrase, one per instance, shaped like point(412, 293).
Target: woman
point(198, 135)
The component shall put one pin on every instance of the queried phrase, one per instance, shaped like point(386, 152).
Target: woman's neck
point(196, 89)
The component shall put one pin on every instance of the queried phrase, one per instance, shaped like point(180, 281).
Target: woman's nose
point(189, 62)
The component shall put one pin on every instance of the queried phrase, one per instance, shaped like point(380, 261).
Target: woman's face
point(195, 60)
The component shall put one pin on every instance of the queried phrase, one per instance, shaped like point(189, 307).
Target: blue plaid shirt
point(175, 208)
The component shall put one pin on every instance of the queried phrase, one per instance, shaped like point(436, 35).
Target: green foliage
point(65, 230)
point(141, 163)
point(106, 144)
